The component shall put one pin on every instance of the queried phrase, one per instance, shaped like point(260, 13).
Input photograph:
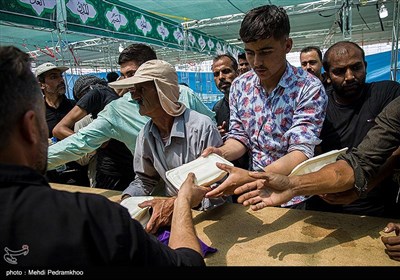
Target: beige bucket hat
point(164, 77)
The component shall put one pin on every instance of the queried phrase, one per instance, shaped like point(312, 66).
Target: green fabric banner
point(38, 13)
point(113, 19)
point(118, 20)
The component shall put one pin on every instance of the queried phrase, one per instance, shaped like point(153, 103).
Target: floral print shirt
point(271, 125)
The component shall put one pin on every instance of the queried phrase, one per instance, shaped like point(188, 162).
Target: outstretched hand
point(162, 209)
point(210, 150)
point(237, 177)
point(267, 189)
point(392, 243)
point(192, 192)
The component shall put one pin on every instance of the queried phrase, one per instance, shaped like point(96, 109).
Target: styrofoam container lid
point(316, 163)
point(204, 168)
point(141, 214)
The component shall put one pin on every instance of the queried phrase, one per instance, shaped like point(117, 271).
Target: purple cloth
point(164, 238)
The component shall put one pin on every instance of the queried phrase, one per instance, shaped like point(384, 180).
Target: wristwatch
point(361, 190)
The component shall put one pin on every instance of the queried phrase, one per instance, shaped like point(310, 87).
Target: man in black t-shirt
point(114, 161)
point(225, 70)
point(51, 82)
point(352, 108)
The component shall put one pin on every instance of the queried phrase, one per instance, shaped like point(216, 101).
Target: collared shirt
point(271, 125)
point(63, 229)
point(120, 120)
point(191, 133)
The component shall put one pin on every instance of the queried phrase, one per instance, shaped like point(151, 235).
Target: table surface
point(110, 194)
point(283, 237)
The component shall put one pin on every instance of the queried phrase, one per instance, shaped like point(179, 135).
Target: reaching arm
point(183, 233)
point(285, 164)
point(232, 149)
point(385, 171)
point(271, 189)
point(85, 141)
point(65, 127)
point(335, 177)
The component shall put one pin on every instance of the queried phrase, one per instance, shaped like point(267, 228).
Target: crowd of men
point(272, 117)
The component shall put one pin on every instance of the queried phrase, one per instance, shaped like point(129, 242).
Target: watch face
point(361, 191)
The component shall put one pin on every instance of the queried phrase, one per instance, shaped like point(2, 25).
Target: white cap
point(47, 67)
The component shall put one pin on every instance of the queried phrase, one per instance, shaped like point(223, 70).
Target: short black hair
point(234, 63)
point(184, 84)
point(19, 88)
point(341, 44)
point(242, 55)
point(112, 77)
point(264, 22)
point(312, 48)
point(83, 83)
point(138, 52)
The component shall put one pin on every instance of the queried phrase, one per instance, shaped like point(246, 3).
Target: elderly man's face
point(145, 94)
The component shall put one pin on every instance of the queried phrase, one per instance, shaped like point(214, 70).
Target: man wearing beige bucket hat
point(173, 136)
point(120, 120)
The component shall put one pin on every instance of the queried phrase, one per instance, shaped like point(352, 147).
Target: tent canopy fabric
point(320, 23)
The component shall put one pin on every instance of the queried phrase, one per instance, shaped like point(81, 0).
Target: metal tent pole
point(395, 41)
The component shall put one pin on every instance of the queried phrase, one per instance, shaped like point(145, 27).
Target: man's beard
point(342, 92)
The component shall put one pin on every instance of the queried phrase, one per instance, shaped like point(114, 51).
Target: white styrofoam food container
point(141, 214)
point(316, 163)
point(204, 168)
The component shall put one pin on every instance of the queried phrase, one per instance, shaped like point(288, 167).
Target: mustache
point(352, 84)
point(220, 84)
point(259, 68)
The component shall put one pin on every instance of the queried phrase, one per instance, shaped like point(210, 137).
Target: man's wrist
point(361, 190)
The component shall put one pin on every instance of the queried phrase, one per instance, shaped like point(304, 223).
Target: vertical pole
point(395, 42)
point(347, 19)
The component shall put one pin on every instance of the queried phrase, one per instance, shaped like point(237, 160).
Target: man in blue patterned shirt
point(276, 109)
